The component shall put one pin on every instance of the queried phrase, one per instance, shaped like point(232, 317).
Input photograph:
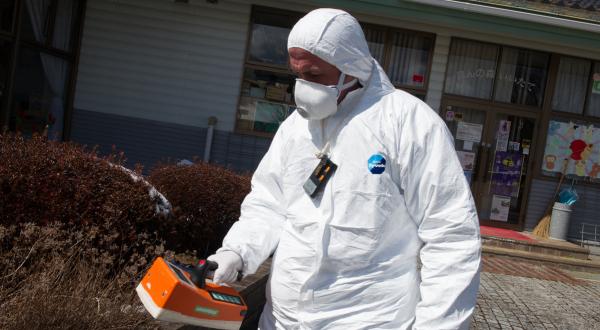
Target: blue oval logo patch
point(376, 164)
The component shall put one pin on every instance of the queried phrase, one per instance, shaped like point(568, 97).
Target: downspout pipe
point(210, 132)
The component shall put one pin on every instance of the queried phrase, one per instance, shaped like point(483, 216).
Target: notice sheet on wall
point(500, 208)
point(502, 135)
point(467, 160)
point(468, 131)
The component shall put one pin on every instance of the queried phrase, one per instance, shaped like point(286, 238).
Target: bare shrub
point(77, 231)
point(61, 184)
point(64, 287)
point(206, 201)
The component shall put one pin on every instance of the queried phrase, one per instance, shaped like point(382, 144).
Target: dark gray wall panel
point(144, 141)
point(586, 210)
point(238, 152)
point(147, 141)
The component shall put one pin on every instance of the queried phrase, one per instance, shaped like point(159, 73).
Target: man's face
point(311, 68)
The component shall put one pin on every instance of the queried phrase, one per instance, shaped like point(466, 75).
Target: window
point(266, 96)
point(409, 59)
point(49, 22)
point(521, 77)
point(266, 100)
point(471, 69)
point(573, 138)
point(405, 56)
point(268, 39)
point(593, 104)
point(34, 101)
point(39, 92)
point(510, 75)
point(577, 88)
point(571, 83)
point(267, 86)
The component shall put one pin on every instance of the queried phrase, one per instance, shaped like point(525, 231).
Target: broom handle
point(562, 177)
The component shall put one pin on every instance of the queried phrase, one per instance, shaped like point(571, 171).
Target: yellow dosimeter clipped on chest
point(179, 293)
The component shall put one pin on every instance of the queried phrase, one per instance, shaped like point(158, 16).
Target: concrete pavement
point(518, 294)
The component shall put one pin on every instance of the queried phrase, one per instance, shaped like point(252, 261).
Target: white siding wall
point(438, 71)
point(159, 60)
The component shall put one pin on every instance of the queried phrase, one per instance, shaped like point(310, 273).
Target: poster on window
point(467, 160)
point(578, 144)
point(468, 131)
point(502, 135)
point(506, 177)
point(500, 208)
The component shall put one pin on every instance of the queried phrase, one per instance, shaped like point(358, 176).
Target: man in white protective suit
point(358, 184)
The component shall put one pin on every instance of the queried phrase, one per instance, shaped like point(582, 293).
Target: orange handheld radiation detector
point(181, 293)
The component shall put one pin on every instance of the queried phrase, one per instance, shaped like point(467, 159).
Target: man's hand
point(230, 264)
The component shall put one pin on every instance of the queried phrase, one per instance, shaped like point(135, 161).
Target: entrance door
point(494, 146)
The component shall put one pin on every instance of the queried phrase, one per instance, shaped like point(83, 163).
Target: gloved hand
point(230, 264)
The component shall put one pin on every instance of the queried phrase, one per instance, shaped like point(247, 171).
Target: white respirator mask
point(316, 101)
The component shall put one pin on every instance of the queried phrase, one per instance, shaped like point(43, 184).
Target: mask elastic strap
point(340, 84)
point(349, 84)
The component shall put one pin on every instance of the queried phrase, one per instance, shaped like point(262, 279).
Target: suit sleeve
point(440, 202)
point(255, 235)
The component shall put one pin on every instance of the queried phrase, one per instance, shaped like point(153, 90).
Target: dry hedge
point(77, 231)
point(206, 201)
point(45, 183)
point(59, 284)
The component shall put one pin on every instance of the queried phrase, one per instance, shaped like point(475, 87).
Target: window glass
point(39, 93)
point(376, 41)
point(268, 44)
point(268, 41)
point(44, 17)
point(409, 59)
point(471, 69)
point(266, 100)
point(7, 8)
point(571, 85)
point(593, 103)
point(521, 77)
point(66, 12)
point(36, 20)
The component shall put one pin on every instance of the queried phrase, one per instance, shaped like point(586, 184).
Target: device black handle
point(198, 273)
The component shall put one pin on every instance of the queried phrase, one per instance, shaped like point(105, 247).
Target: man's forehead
point(305, 57)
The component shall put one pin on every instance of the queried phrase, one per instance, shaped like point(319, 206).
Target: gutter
point(514, 14)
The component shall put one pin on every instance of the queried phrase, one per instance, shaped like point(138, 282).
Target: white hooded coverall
point(347, 259)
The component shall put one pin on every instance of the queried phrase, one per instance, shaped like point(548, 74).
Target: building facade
point(517, 82)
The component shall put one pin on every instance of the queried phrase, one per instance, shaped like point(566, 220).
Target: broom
point(542, 229)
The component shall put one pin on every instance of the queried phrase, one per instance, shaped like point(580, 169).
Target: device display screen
point(226, 298)
point(179, 273)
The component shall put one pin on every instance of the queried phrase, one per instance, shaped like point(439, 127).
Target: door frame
point(491, 111)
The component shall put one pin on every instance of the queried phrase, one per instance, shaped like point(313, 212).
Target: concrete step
point(546, 247)
point(576, 264)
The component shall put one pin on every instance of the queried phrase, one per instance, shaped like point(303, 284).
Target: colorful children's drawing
point(574, 142)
